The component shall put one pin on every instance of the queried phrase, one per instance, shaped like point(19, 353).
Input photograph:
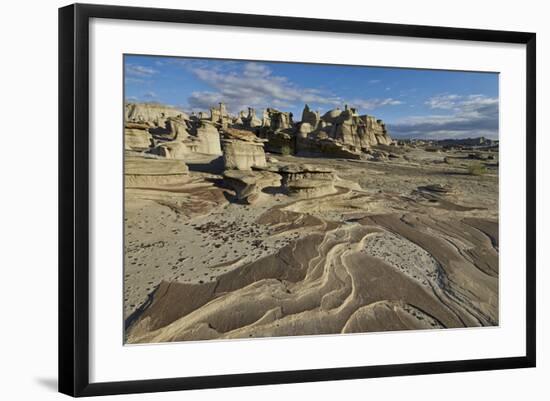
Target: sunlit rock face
point(339, 132)
point(336, 133)
point(174, 150)
point(151, 172)
point(137, 137)
point(242, 150)
point(152, 114)
point(248, 185)
point(251, 120)
point(310, 117)
point(208, 139)
point(307, 181)
point(173, 129)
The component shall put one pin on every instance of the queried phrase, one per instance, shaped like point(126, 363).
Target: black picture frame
point(74, 198)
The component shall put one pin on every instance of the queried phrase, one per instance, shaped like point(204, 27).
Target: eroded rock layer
point(388, 272)
point(251, 245)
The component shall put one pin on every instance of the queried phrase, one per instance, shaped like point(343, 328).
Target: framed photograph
point(250, 199)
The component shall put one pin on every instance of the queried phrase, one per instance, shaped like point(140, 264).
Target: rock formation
point(208, 139)
point(149, 172)
point(351, 133)
point(312, 118)
point(250, 120)
point(390, 272)
point(137, 137)
point(174, 149)
point(248, 185)
point(279, 120)
point(170, 133)
point(220, 116)
point(306, 180)
point(152, 114)
point(242, 150)
point(337, 133)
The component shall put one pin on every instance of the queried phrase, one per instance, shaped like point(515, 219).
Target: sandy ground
point(191, 232)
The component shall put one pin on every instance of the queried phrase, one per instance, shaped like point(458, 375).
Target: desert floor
point(387, 251)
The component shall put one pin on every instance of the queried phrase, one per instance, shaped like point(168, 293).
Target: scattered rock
point(438, 188)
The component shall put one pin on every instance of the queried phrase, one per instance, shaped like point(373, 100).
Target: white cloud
point(132, 80)
point(465, 117)
point(444, 102)
point(135, 70)
point(256, 70)
point(370, 104)
point(254, 85)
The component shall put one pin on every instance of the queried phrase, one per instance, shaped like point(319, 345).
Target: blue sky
point(413, 103)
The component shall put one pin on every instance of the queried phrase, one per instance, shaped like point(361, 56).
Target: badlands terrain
point(244, 226)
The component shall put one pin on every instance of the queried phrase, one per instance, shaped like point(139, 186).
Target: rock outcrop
point(208, 139)
point(250, 120)
point(248, 185)
point(152, 114)
point(242, 150)
point(174, 141)
point(312, 118)
point(220, 116)
point(174, 149)
point(279, 120)
point(307, 181)
point(337, 133)
point(351, 134)
point(174, 129)
point(149, 172)
point(137, 137)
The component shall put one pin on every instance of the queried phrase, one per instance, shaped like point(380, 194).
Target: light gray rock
point(307, 181)
point(150, 172)
point(137, 139)
point(208, 139)
point(242, 150)
point(152, 114)
point(175, 149)
point(248, 185)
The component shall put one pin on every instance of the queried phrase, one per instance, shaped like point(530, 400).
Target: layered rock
point(373, 131)
point(337, 133)
point(174, 129)
point(306, 180)
point(208, 139)
point(175, 141)
point(248, 185)
point(250, 120)
point(175, 149)
point(149, 172)
point(312, 118)
point(279, 120)
point(326, 146)
point(220, 116)
point(282, 142)
point(278, 129)
point(137, 137)
point(351, 133)
point(242, 150)
point(152, 114)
